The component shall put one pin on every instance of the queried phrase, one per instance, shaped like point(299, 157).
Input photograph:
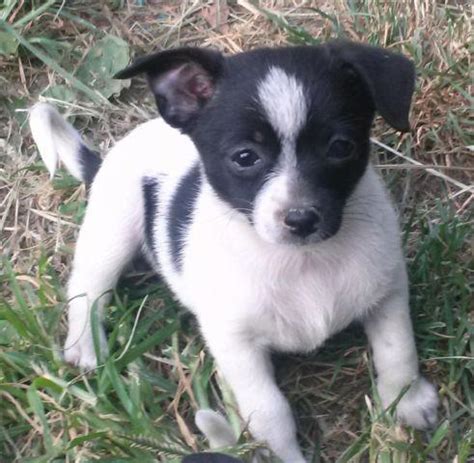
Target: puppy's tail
point(56, 139)
point(216, 428)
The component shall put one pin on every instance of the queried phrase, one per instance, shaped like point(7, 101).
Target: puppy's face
point(284, 133)
point(285, 141)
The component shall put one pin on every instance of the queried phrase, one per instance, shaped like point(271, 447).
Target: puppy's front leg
point(390, 334)
point(248, 370)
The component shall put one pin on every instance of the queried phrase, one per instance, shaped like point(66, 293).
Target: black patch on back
point(150, 188)
point(90, 163)
point(180, 212)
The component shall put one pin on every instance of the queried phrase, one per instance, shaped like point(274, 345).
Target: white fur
point(55, 139)
point(282, 98)
point(391, 337)
point(113, 230)
point(272, 203)
point(249, 295)
point(216, 428)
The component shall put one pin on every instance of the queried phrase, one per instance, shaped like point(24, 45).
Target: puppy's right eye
point(340, 150)
point(245, 159)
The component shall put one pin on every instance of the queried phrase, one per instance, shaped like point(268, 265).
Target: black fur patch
point(90, 163)
point(180, 212)
point(150, 196)
point(343, 84)
point(339, 106)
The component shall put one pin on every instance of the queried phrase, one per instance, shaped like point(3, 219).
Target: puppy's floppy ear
point(183, 81)
point(389, 76)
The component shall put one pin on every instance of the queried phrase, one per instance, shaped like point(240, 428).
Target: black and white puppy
point(253, 196)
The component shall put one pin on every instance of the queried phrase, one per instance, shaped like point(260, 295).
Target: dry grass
point(430, 171)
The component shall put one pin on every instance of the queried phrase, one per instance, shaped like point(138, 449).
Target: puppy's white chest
point(297, 310)
point(309, 300)
point(281, 299)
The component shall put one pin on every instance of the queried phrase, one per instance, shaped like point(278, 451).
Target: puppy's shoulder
point(371, 230)
point(152, 148)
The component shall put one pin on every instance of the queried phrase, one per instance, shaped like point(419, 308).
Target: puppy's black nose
point(302, 221)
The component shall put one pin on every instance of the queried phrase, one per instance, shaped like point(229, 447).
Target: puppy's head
point(283, 134)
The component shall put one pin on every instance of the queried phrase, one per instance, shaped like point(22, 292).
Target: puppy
point(253, 196)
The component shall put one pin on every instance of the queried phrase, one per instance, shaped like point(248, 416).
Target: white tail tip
point(56, 139)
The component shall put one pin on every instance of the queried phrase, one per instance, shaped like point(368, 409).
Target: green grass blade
point(8, 8)
point(96, 327)
point(38, 409)
point(147, 344)
point(438, 436)
point(119, 386)
point(87, 438)
point(33, 14)
point(94, 96)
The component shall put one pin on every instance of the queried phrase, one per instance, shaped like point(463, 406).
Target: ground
point(140, 404)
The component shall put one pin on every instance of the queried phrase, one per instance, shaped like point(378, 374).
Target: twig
point(428, 169)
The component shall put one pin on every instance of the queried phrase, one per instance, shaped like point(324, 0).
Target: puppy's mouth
point(314, 238)
point(286, 236)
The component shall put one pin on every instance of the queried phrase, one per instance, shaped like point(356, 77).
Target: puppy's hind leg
point(110, 236)
point(112, 230)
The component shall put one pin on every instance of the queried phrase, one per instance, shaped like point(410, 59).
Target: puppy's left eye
point(245, 159)
point(341, 149)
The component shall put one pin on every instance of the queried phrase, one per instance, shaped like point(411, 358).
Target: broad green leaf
point(61, 93)
point(45, 58)
point(7, 333)
point(108, 56)
point(8, 44)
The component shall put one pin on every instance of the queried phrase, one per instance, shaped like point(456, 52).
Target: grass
point(140, 404)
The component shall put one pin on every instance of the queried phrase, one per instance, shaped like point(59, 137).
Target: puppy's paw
point(81, 353)
point(419, 405)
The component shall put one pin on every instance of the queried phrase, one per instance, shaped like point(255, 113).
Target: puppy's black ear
point(390, 78)
point(209, 457)
point(183, 81)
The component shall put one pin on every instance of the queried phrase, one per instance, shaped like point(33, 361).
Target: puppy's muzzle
point(302, 221)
